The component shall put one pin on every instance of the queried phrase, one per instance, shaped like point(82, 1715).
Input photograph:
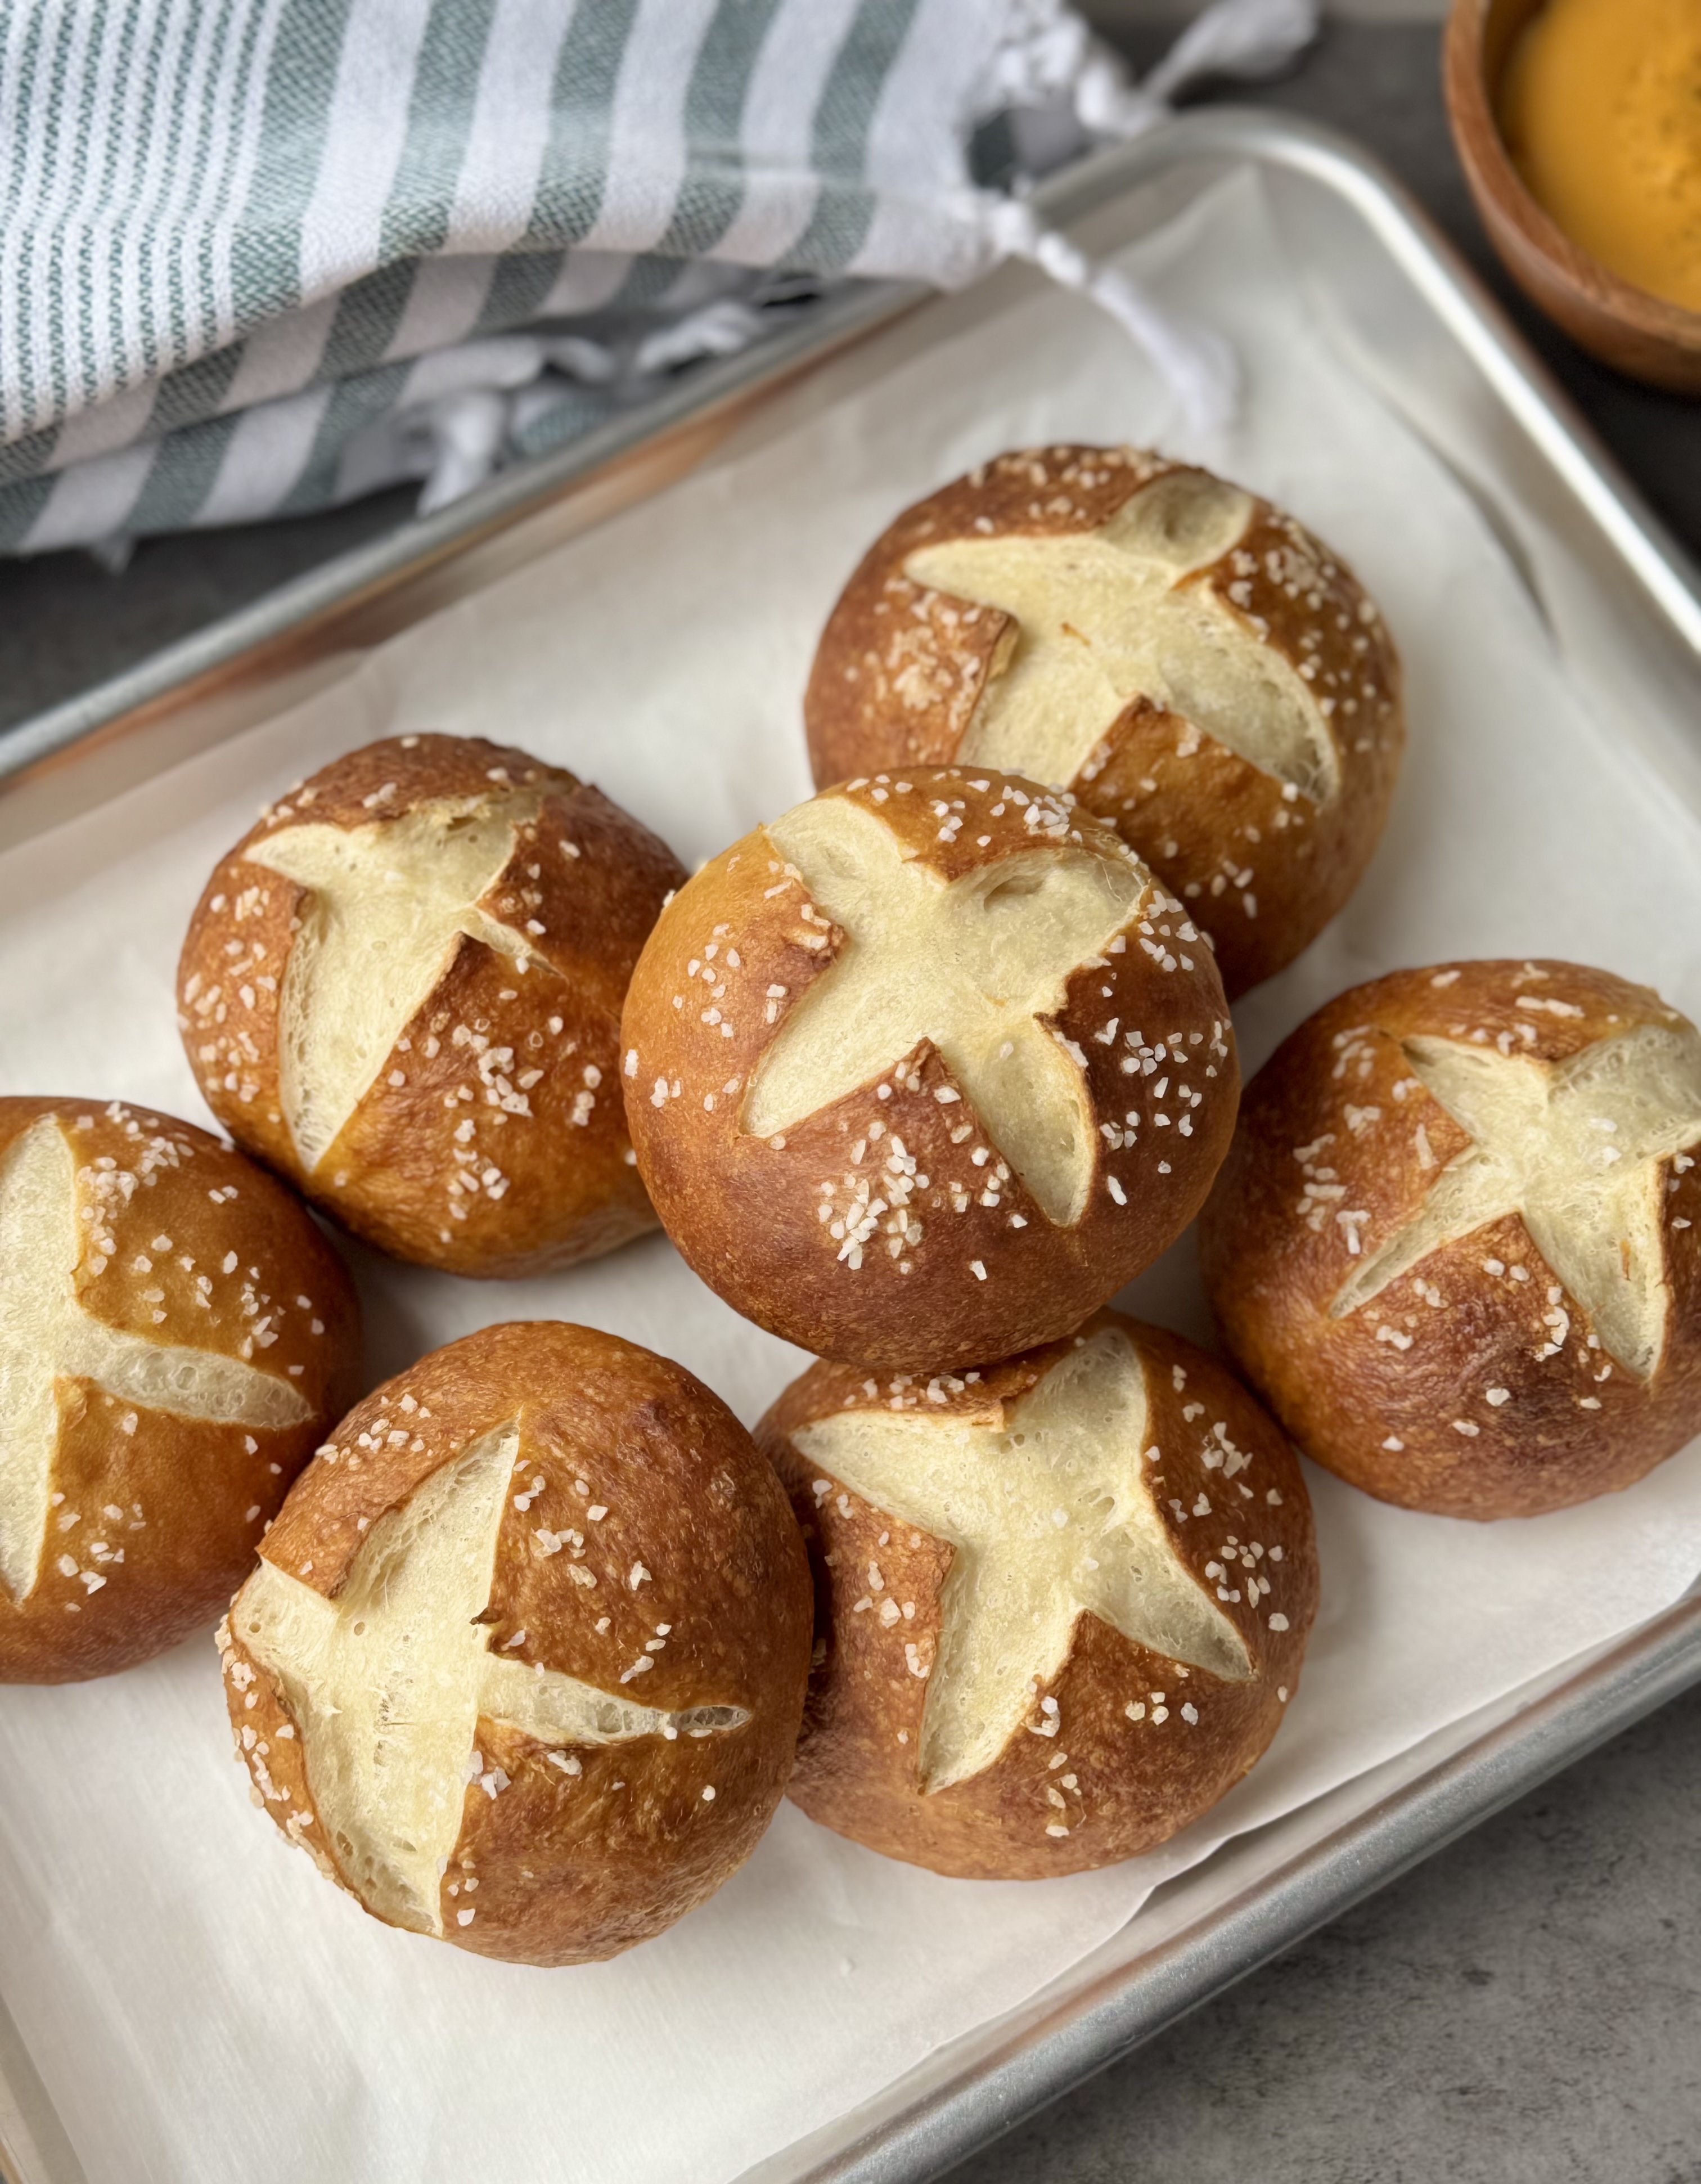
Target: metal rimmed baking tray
point(1630, 626)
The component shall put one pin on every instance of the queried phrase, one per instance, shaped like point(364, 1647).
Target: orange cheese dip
point(1600, 106)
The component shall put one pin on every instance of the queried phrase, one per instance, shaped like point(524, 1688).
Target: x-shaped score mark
point(1050, 1516)
point(387, 906)
point(974, 965)
point(1573, 1147)
point(1107, 616)
point(388, 1682)
point(47, 1335)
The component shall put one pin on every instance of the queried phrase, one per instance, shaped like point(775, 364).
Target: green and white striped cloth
point(260, 256)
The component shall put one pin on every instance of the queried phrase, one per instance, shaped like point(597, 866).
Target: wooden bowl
point(1624, 326)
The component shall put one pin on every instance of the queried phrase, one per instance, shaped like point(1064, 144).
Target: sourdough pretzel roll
point(176, 1335)
point(926, 1070)
point(523, 1660)
point(1059, 1604)
point(1202, 672)
point(403, 990)
point(1454, 1245)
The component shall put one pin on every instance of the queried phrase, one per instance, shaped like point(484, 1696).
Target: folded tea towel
point(258, 257)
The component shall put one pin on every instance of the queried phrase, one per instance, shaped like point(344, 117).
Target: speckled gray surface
point(1527, 2008)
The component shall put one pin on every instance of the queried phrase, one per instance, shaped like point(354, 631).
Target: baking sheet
point(196, 2000)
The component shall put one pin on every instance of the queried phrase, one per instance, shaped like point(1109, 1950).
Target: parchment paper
point(200, 2005)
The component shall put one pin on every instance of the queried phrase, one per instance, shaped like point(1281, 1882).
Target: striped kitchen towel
point(258, 257)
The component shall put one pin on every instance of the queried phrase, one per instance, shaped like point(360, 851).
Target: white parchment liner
point(199, 2004)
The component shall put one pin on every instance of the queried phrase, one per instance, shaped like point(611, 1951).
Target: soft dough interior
point(1575, 1148)
point(386, 904)
point(384, 1682)
point(46, 1336)
point(1049, 1516)
point(1105, 617)
point(387, 1682)
point(971, 965)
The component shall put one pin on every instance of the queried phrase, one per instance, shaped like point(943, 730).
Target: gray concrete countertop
point(1527, 2008)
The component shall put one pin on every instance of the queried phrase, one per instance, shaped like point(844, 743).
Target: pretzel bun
point(403, 990)
point(1204, 674)
point(1454, 1245)
point(1060, 1604)
point(926, 1070)
point(523, 1660)
point(176, 1335)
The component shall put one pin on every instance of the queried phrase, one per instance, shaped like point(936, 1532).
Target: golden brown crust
point(695, 1541)
point(153, 1516)
point(1337, 1137)
point(900, 670)
point(492, 1140)
point(1117, 1784)
point(744, 1211)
